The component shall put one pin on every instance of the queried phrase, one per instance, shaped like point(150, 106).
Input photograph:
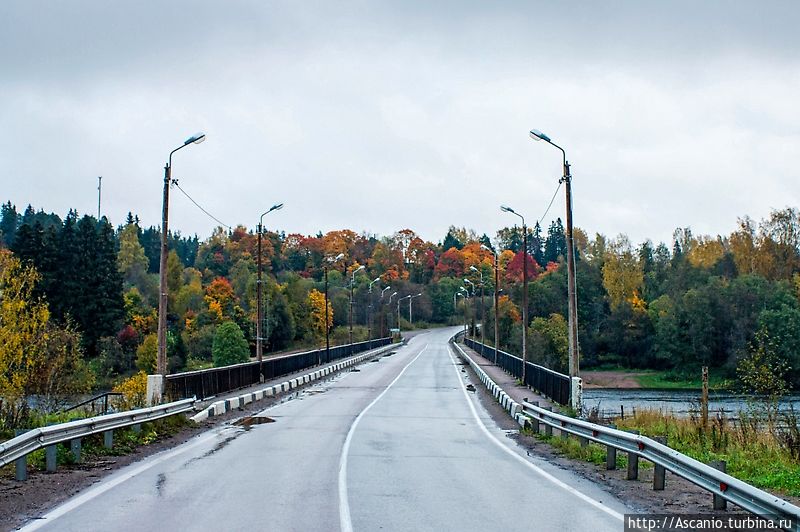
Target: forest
point(78, 296)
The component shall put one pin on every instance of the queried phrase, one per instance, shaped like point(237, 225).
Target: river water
point(679, 402)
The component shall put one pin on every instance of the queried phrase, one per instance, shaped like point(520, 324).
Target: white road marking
point(100, 489)
point(345, 522)
point(530, 465)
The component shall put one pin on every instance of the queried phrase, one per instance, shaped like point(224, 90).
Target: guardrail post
point(535, 421)
point(633, 463)
point(50, 458)
point(75, 447)
point(719, 502)
point(548, 429)
point(611, 458)
point(659, 472)
point(108, 439)
point(584, 441)
point(21, 463)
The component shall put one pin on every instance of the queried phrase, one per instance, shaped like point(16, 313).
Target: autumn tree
point(230, 346)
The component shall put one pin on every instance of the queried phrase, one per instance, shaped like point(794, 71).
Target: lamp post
point(328, 325)
point(496, 299)
point(352, 281)
point(463, 293)
point(260, 310)
point(483, 317)
point(161, 362)
point(369, 310)
point(388, 304)
point(473, 293)
point(505, 208)
point(574, 353)
point(411, 321)
point(383, 313)
point(398, 310)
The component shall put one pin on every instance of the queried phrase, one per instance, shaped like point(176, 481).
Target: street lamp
point(328, 325)
point(505, 208)
point(398, 309)
point(461, 293)
point(161, 361)
point(473, 293)
point(383, 314)
point(483, 317)
point(574, 353)
point(388, 304)
point(411, 321)
point(259, 311)
point(496, 299)
point(369, 310)
point(352, 281)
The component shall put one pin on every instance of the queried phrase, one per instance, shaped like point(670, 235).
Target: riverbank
point(629, 379)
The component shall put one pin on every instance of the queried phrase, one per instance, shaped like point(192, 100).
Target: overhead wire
point(175, 182)
point(551, 203)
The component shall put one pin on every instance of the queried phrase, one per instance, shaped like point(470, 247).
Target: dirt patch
point(610, 379)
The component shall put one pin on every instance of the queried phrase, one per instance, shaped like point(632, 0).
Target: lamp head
point(276, 207)
point(376, 279)
point(197, 138)
point(506, 208)
point(474, 269)
point(338, 257)
point(538, 135)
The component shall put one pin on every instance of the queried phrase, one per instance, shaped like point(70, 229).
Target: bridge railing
point(214, 381)
point(664, 458)
point(17, 448)
point(549, 383)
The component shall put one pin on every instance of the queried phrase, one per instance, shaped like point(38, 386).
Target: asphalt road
point(399, 445)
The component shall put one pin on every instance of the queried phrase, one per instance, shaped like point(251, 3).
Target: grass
point(675, 381)
point(766, 458)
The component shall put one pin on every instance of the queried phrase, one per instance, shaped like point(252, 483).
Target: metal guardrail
point(550, 383)
point(720, 484)
point(42, 437)
point(214, 381)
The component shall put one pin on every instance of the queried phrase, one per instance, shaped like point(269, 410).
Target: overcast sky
point(377, 116)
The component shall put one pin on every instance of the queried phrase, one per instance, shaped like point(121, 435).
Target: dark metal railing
point(214, 381)
point(102, 398)
point(550, 383)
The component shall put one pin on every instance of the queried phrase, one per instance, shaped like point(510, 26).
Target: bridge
point(399, 444)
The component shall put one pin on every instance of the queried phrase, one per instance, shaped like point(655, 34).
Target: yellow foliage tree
point(23, 328)
point(622, 273)
point(316, 301)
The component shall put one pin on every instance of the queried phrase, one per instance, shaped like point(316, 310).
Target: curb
point(509, 405)
point(227, 405)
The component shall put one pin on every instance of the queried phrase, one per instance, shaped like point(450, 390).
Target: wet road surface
point(397, 445)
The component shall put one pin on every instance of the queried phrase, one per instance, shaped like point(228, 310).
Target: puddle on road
point(354, 370)
point(470, 388)
point(249, 421)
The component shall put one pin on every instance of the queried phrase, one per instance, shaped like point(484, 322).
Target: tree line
point(698, 300)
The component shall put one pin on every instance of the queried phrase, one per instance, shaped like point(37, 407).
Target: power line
point(551, 202)
point(175, 182)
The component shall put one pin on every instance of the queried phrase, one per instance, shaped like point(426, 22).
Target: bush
point(133, 390)
point(230, 346)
